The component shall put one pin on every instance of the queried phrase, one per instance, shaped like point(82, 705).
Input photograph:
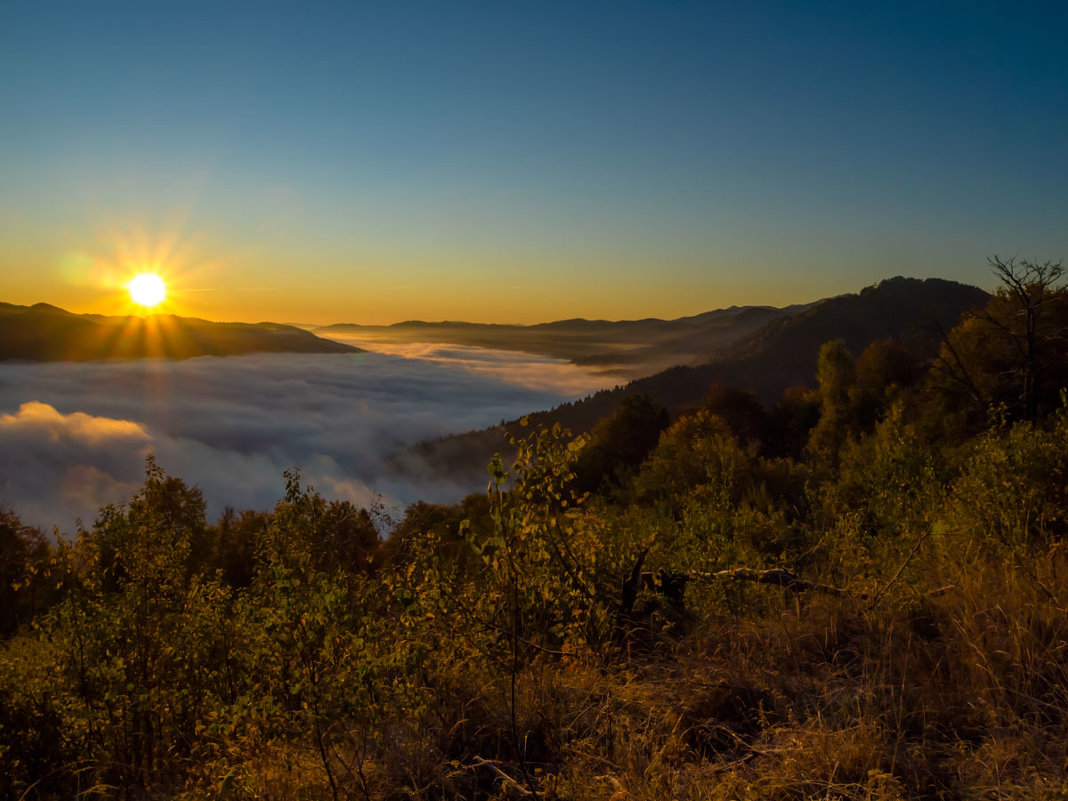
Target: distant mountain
point(912, 311)
point(46, 333)
point(630, 348)
point(766, 361)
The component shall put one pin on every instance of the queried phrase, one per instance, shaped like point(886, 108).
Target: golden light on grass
point(147, 289)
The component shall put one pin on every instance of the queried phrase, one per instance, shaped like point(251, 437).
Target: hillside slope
point(46, 333)
point(778, 355)
point(912, 311)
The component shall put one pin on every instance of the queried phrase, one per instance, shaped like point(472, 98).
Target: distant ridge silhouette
point(628, 348)
point(43, 332)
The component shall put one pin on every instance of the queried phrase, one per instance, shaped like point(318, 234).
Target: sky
point(520, 161)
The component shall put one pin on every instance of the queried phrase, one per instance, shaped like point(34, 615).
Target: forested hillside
point(853, 591)
point(778, 357)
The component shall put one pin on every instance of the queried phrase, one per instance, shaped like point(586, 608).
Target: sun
point(147, 289)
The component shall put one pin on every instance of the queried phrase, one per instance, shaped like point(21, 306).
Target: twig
point(777, 576)
point(504, 778)
point(904, 564)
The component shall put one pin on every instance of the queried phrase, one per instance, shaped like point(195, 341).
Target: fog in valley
point(75, 436)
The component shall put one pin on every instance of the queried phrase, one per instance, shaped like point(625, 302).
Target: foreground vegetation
point(858, 594)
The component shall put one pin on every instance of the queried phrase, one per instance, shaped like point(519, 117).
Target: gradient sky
point(522, 161)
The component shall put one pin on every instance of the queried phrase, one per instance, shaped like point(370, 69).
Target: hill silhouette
point(912, 311)
point(629, 348)
point(47, 333)
point(778, 355)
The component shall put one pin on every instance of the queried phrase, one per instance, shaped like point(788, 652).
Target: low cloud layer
point(74, 436)
point(525, 369)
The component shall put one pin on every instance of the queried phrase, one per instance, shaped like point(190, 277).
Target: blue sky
point(519, 162)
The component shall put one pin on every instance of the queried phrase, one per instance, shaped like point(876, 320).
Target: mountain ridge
point(780, 354)
point(629, 348)
point(43, 332)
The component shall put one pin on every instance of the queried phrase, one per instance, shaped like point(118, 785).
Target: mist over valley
point(74, 436)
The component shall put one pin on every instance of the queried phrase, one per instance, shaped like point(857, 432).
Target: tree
point(835, 372)
point(743, 413)
point(312, 533)
point(884, 370)
point(792, 420)
point(1034, 321)
point(25, 554)
point(140, 642)
point(619, 443)
point(698, 450)
point(1007, 360)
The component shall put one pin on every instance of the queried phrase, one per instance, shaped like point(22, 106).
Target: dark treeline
point(855, 591)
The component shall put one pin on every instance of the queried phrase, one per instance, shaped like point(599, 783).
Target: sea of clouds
point(74, 436)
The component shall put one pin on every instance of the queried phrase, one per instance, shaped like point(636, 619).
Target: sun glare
point(147, 289)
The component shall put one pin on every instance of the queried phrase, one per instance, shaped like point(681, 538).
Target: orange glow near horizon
point(136, 272)
point(206, 276)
